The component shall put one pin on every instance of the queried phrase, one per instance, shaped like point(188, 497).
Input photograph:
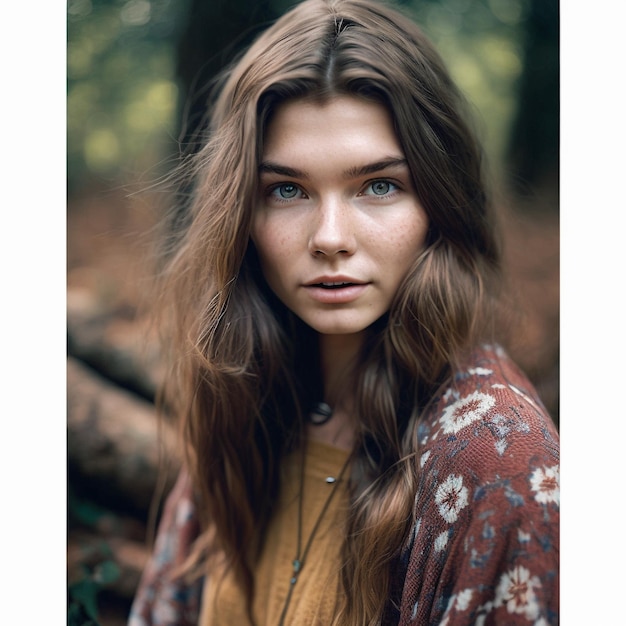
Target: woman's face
point(338, 222)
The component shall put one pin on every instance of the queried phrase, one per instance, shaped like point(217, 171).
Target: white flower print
point(465, 411)
point(501, 446)
point(484, 610)
point(516, 590)
point(479, 371)
point(415, 531)
point(451, 497)
point(166, 610)
point(545, 482)
point(424, 458)
point(526, 397)
point(441, 541)
point(463, 599)
point(184, 512)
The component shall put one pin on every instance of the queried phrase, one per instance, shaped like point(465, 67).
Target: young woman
point(358, 449)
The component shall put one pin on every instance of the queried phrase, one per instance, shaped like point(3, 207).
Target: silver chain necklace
point(300, 557)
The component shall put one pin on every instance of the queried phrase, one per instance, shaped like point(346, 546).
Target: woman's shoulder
point(488, 448)
point(488, 420)
point(484, 545)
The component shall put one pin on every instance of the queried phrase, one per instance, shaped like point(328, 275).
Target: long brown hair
point(238, 356)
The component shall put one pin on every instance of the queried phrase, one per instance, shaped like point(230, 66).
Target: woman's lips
point(335, 292)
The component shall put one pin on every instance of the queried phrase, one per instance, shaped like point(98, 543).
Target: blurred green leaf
point(84, 595)
point(106, 572)
point(76, 616)
point(82, 511)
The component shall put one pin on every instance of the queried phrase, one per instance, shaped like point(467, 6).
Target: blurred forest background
point(135, 76)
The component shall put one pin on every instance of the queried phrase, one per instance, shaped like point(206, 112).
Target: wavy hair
point(239, 359)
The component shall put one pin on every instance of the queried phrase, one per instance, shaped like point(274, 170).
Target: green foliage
point(98, 569)
point(83, 512)
point(83, 608)
point(121, 85)
point(83, 594)
point(482, 43)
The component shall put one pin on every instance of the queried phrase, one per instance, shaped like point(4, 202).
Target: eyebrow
point(269, 167)
point(377, 166)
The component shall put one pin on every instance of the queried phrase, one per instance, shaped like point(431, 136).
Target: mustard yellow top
point(315, 592)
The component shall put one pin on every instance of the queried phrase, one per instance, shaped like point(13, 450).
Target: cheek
point(276, 233)
point(404, 242)
point(417, 234)
point(261, 236)
point(273, 244)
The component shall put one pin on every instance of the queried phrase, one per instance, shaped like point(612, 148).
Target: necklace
point(301, 554)
point(320, 413)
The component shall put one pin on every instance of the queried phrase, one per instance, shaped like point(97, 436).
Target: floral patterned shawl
point(484, 545)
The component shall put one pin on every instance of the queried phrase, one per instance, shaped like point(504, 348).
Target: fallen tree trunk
point(116, 443)
point(112, 345)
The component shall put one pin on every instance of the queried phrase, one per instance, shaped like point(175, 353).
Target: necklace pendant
point(320, 413)
point(296, 566)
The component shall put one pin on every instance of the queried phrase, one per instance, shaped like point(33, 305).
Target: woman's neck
point(338, 354)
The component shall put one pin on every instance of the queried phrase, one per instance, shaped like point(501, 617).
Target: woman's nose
point(332, 229)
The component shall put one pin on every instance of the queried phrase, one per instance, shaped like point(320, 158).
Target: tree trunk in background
point(215, 33)
point(533, 153)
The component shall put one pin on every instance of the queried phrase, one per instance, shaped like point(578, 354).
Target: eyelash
point(273, 192)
